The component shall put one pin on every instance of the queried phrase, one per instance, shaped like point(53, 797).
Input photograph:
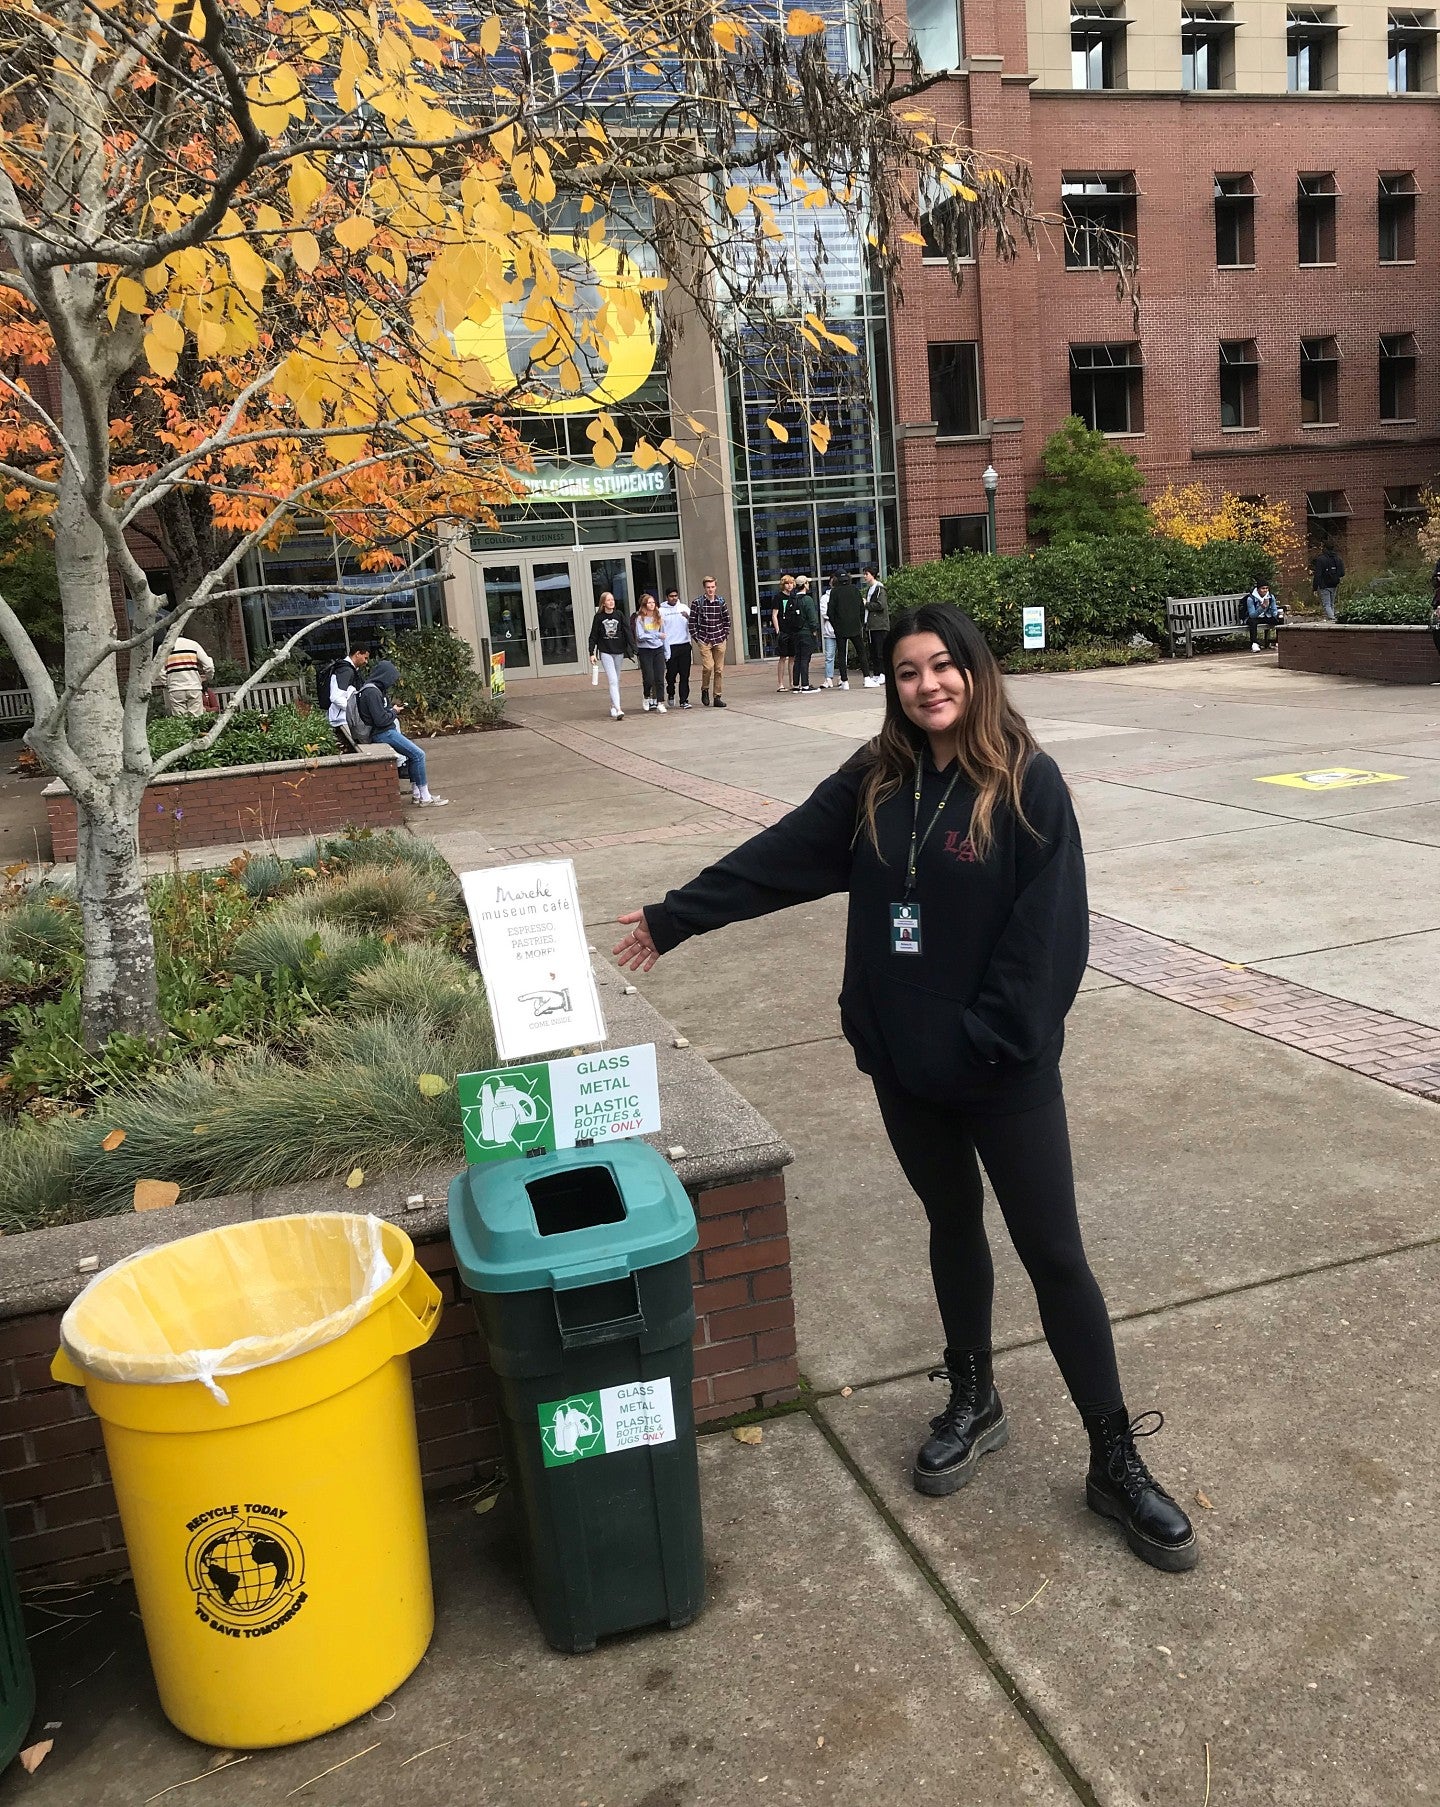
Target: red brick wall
point(55, 1484)
point(1025, 315)
point(1385, 655)
point(240, 803)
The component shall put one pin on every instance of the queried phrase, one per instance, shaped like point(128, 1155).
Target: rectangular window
point(1207, 47)
point(1235, 222)
point(1398, 357)
point(1411, 47)
point(1099, 220)
point(1397, 217)
point(1311, 35)
point(945, 222)
point(935, 30)
point(1315, 216)
point(1327, 518)
point(1319, 382)
point(1239, 384)
point(955, 390)
point(1106, 387)
point(964, 533)
point(1097, 47)
point(1404, 509)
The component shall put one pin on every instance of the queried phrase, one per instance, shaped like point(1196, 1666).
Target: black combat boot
point(1120, 1486)
point(973, 1422)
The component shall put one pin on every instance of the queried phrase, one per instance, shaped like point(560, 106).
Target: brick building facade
point(1287, 336)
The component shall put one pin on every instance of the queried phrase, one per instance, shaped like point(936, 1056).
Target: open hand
point(637, 952)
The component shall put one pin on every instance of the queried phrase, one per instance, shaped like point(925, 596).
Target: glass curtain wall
point(314, 577)
point(797, 509)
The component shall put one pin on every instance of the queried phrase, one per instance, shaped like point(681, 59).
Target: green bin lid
point(575, 1218)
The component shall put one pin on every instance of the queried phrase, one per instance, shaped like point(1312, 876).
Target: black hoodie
point(976, 1019)
point(373, 698)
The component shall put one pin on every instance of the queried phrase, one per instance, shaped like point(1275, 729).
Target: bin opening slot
point(603, 1313)
point(581, 1198)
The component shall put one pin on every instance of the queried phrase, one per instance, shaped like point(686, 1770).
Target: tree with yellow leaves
point(1195, 515)
point(278, 261)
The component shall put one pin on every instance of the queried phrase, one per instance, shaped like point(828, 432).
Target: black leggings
point(1027, 1157)
point(652, 671)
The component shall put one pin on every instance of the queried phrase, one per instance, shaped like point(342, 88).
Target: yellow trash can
point(253, 1385)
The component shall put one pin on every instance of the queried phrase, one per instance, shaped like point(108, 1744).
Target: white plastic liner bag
point(242, 1296)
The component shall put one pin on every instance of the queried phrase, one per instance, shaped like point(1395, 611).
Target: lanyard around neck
point(917, 840)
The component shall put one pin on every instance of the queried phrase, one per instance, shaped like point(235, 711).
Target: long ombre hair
point(992, 742)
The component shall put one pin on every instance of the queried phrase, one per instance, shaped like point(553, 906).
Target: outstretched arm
point(804, 856)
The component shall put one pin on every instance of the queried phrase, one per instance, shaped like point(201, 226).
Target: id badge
point(905, 928)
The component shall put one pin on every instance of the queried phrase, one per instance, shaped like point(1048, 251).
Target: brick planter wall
point(55, 1483)
point(1385, 655)
point(249, 802)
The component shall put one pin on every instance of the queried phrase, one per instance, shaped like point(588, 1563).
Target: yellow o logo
point(504, 343)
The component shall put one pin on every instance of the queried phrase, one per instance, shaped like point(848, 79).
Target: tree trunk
point(106, 768)
point(120, 979)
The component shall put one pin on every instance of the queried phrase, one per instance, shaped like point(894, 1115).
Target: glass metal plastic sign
point(530, 940)
point(553, 1104)
point(1032, 629)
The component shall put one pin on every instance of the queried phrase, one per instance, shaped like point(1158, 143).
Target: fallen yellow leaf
point(35, 1754)
point(155, 1195)
point(1201, 1500)
point(748, 1433)
point(113, 1140)
point(355, 1177)
point(432, 1085)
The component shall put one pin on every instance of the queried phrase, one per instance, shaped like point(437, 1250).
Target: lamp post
point(990, 477)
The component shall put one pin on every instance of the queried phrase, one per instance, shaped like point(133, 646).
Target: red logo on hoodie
point(959, 847)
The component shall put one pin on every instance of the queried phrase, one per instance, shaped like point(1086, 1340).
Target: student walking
point(381, 717)
point(649, 628)
point(611, 643)
point(710, 630)
point(877, 623)
point(676, 616)
point(188, 669)
point(847, 614)
point(1325, 573)
point(955, 839)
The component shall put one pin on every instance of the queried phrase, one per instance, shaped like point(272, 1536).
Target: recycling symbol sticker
point(510, 1111)
point(571, 1429)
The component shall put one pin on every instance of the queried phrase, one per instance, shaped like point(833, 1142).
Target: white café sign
point(1032, 629)
point(530, 939)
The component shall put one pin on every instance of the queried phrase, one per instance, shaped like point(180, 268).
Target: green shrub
point(1083, 655)
point(1091, 589)
point(421, 981)
point(250, 738)
point(404, 901)
point(1089, 486)
point(1384, 610)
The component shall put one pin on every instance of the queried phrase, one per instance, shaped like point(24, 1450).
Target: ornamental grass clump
point(401, 901)
point(421, 981)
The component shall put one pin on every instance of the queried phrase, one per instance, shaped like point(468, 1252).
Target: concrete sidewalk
point(1263, 1220)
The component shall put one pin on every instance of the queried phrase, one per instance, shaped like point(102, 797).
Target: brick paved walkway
point(1388, 1048)
point(1383, 1047)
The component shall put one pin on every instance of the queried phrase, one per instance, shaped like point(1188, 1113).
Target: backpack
point(324, 673)
point(356, 725)
point(792, 618)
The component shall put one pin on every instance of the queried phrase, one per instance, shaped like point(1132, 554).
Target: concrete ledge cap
point(57, 787)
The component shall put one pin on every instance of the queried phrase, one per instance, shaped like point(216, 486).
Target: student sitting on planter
point(372, 716)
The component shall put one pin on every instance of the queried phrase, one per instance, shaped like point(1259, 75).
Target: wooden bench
point(1192, 618)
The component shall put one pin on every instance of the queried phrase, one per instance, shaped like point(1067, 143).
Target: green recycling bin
point(17, 1678)
point(579, 1266)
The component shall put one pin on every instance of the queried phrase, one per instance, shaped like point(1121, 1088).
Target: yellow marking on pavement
point(1332, 778)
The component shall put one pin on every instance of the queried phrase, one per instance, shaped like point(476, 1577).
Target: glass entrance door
point(530, 615)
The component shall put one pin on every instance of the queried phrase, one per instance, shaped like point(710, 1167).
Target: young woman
point(967, 937)
point(611, 643)
point(651, 650)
